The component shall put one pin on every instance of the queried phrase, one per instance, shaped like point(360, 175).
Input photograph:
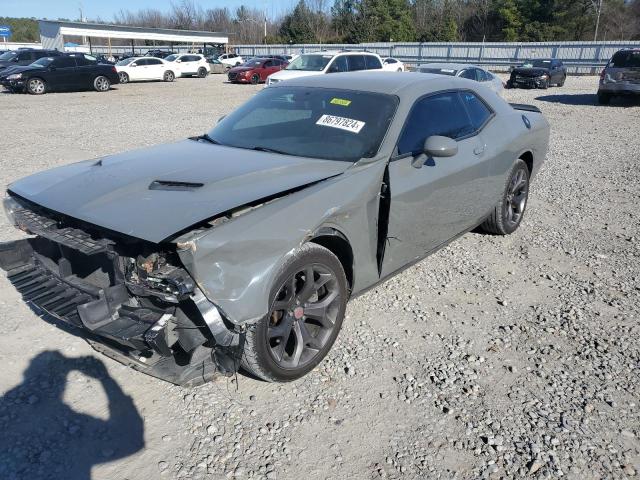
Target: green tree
point(22, 29)
point(296, 27)
point(385, 21)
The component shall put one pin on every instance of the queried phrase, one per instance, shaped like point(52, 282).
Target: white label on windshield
point(342, 123)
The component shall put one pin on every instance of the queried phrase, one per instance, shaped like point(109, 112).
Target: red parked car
point(256, 70)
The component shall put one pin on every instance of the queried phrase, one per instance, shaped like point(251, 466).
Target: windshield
point(254, 62)
point(126, 61)
point(626, 59)
point(312, 62)
point(171, 58)
point(537, 64)
point(310, 122)
point(439, 71)
point(42, 62)
point(8, 55)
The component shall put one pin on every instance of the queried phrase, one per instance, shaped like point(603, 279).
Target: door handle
point(479, 150)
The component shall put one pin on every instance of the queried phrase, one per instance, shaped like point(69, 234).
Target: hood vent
point(174, 185)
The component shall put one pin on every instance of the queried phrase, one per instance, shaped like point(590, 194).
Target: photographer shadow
point(42, 437)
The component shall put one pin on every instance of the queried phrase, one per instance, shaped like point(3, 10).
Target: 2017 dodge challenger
point(241, 247)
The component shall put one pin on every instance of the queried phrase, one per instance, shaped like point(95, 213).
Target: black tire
point(604, 98)
point(287, 331)
point(101, 84)
point(508, 213)
point(123, 77)
point(564, 79)
point(36, 86)
point(169, 76)
point(202, 72)
point(255, 79)
point(544, 85)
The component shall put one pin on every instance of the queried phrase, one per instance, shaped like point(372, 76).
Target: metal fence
point(579, 57)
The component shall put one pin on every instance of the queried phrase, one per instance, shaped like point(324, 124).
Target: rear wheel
point(604, 98)
point(508, 213)
point(36, 86)
point(308, 301)
point(169, 76)
point(202, 72)
point(255, 79)
point(101, 84)
point(564, 79)
point(123, 77)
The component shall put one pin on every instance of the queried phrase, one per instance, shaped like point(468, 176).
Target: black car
point(24, 56)
point(75, 71)
point(159, 53)
point(538, 74)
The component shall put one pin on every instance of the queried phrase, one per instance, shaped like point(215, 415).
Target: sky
point(105, 10)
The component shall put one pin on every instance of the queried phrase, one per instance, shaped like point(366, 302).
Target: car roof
point(449, 66)
point(340, 52)
point(378, 82)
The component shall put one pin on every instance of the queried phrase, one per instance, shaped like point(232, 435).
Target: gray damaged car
point(241, 247)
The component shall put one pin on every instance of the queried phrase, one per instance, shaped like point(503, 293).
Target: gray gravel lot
point(494, 358)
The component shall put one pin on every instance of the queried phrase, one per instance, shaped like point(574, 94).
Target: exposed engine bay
point(131, 299)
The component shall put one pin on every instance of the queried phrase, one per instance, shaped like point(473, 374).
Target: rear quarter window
point(625, 59)
point(372, 62)
point(479, 113)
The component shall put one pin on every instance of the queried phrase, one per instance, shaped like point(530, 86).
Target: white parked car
point(318, 63)
point(136, 69)
point(189, 64)
point(463, 70)
point(392, 65)
point(231, 59)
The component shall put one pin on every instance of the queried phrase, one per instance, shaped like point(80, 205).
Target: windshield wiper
point(207, 138)
point(269, 150)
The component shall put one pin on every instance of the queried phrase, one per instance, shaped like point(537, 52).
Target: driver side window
point(440, 114)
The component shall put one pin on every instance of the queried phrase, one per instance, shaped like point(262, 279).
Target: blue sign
point(5, 31)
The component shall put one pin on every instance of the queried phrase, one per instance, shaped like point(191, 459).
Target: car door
point(267, 69)
point(155, 69)
point(444, 197)
point(62, 74)
point(356, 63)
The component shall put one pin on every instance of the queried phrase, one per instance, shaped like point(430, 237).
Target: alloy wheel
point(36, 86)
point(102, 84)
point(516, 198)
point(124, 78)
point(303, 316)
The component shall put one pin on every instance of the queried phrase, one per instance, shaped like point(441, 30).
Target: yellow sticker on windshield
point(340, 101)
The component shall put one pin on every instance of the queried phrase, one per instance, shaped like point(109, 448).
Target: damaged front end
point(131, 299)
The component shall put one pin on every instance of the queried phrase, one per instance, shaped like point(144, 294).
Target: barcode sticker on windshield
point(342, 123)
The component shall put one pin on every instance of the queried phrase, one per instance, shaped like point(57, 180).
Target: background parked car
point(159, 53)
point(319, 63)
point(189, 64)
point(216, 66)
point(392, 65)
point(621, 76)
point(145, 68)
point(24, 57)
point(463, 70)
point(76, 71)
point(256, 70)
point(540, 73)
point(231, 59)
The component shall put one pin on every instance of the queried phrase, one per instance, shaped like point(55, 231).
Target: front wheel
point(36, 86)
point(564, 79)
point(544, 84)
point(507, 214)
point(255, 79)
point(604, 98)
point(169, 76)
point(308, 301)
point(101, 84)
point(202, 72)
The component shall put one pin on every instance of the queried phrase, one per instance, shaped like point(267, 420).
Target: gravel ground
point(494, 358)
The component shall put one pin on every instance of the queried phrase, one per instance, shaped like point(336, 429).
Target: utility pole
point(597, 4)
point(265, 22)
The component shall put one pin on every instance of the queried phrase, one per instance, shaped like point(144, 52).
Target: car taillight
point(602, 74)
point(113, 69)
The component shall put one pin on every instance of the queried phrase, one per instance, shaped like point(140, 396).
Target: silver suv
point(621, 76)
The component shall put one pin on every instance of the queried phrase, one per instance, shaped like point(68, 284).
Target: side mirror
point(178, 61)
point(134, 64)
point(437, 146)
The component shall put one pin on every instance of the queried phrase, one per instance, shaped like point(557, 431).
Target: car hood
point(19, 69)
point(531, 71)
point(288, 74)
point(192, 181)
point(241, 69)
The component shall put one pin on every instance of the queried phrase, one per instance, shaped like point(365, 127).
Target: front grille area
point(32, 222)
point(49, 293)
point(233, 76)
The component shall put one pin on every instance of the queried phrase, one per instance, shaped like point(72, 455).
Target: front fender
point(234, 263)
